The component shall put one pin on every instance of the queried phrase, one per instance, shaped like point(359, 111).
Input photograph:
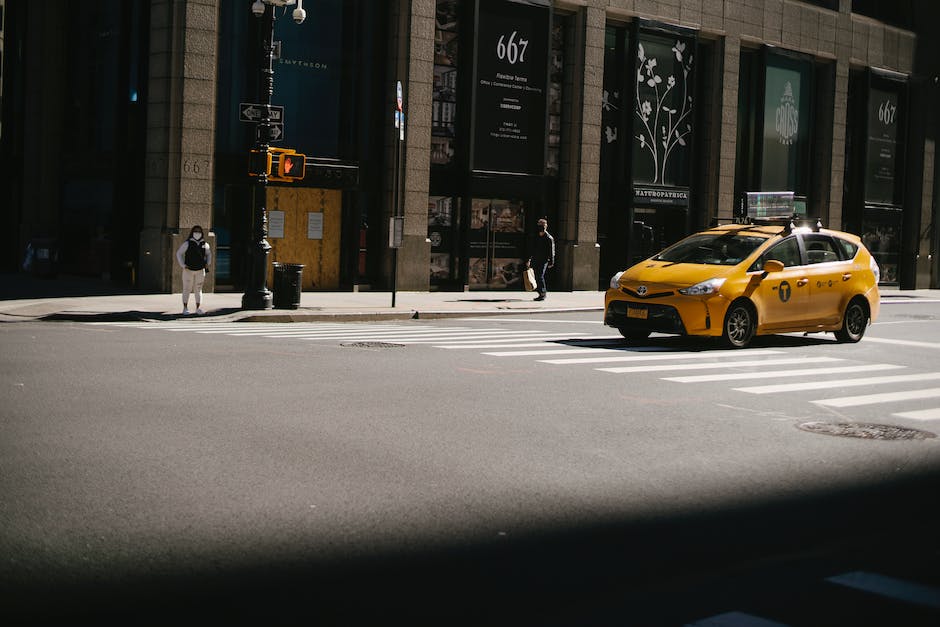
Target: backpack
point(195, 255)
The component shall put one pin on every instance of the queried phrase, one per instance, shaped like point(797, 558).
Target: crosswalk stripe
point(549, 351)
point(920, 414)
point(839, 383)
point(882, 340)
point(871, 399)
point(776, 374)
point(718, 364)
point(891, 587)
point(329, 332)
point(661, 354)
point(542, 341)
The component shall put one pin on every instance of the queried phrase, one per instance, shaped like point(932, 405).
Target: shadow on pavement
point(23, 286)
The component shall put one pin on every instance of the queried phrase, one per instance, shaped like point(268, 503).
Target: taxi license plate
point(636, 312)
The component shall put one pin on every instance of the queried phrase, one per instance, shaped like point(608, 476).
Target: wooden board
point(320, 257)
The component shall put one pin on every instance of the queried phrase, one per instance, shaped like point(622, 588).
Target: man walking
point(543, 256)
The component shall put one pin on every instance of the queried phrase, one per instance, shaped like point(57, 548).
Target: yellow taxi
point(737, 281)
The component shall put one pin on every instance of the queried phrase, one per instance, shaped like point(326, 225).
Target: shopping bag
point(528, 278)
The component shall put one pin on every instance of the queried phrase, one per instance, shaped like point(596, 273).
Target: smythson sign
point(511, 75)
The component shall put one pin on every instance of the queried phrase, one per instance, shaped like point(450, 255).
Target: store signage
point(661, 196)
point(788, 117)
point(785, 134)
point(882, 152)
point(511, 87)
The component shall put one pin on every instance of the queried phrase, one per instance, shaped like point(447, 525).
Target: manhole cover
point(865, 431)
point(371, 345)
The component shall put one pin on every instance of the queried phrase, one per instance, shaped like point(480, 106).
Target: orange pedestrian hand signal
point(291, 166)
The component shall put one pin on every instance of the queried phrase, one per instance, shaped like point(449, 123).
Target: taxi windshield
point(722, 249)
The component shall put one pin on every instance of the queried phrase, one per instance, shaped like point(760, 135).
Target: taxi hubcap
point(739, 325)
point(856, 320)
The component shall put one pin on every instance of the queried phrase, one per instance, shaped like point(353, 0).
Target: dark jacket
point(543, 249)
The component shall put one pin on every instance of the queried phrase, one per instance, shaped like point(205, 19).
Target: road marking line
point(704, 378)
point(515, 319)
point(921, 414)
point(551, 351)
point(718, 364)
point(661, 354)
point(871, 399)
point(549, 340)
point(907, 591)
point(331, 332)
point(882, 340)
point(823, 385)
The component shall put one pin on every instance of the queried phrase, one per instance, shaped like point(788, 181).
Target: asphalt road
point(492, 470)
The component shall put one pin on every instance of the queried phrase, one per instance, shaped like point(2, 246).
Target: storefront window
point(444, 99)
point(663, 106)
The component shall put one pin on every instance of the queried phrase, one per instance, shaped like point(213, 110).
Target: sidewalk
point(23, 298)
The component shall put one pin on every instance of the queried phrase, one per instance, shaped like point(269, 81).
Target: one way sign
point(251, 112)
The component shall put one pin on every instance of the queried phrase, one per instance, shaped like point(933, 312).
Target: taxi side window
point(787, 252)
point(848, 248)
point(820, 248)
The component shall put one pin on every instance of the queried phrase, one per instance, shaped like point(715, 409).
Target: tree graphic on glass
point(664, 112)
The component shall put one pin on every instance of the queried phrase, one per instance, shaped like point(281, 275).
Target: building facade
point(626, 123)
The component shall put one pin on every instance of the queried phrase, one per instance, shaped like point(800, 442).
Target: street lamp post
point(257, 295)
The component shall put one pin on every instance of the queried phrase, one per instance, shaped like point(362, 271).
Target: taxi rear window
point(721, 249)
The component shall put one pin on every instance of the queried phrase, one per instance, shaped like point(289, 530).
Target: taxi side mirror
point(772, 265)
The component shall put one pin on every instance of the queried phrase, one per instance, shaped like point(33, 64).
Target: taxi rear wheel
point(740, 324)
point(854, 322)
point(634, 335)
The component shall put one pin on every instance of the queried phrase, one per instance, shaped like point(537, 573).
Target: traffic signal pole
point(257, 295)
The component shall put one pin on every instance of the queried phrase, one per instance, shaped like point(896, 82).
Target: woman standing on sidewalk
point(194, 258)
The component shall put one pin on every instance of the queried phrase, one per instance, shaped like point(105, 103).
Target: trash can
point(287, 285)
point(42, 257)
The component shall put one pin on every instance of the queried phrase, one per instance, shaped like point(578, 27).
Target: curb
point(287, 317)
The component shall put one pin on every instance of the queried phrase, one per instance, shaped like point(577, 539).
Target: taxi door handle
point(846, 276)
point(802, 282)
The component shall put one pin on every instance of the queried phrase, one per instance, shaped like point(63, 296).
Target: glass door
point(496, 244)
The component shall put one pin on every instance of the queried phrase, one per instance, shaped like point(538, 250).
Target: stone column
point(180, 136)
point(579, 257)
point(415, 69)
point(729, 126)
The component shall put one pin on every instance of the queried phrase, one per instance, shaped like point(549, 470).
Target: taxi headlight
point(615, 280)
point(711, 286)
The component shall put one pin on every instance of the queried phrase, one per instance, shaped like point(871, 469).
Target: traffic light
point(259, 162)
point(291, 166)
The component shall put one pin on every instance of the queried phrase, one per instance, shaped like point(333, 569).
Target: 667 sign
point(512, 49)
point(510, 105)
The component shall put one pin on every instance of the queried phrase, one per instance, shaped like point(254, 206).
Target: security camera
point(299, 15)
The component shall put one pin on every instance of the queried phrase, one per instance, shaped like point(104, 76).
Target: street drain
point(866, 431)
point(371, 345)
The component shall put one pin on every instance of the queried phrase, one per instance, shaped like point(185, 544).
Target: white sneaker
point(185, 311)
point(199, 311)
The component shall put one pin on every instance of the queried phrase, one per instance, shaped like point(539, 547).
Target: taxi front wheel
point(854, 322)
point(740, 325)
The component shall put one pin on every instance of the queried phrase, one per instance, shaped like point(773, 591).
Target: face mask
point(197, 236)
